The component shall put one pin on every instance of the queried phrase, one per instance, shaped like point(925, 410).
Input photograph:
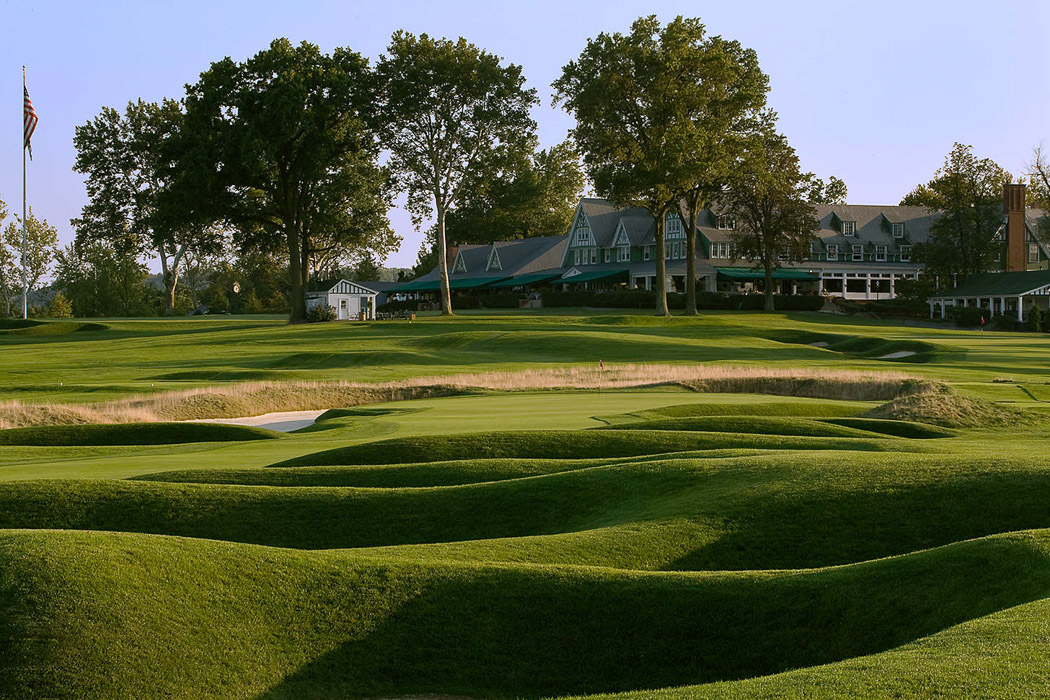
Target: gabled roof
point(993, 284)
point(872, 223)
point(347, 287)
point(603, 217)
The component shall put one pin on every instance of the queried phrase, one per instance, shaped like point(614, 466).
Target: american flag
point(29, 120)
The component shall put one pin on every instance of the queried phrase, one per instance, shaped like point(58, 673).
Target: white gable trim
point(494, 263)
point(459, 265)
point(621, 236)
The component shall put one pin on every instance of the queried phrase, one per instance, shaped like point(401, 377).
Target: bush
point(394, 306)
point(971, 316)
point(1005, 323)
point(321, 313)
point(500, 300)
point(1035, 320)
point(60, 307)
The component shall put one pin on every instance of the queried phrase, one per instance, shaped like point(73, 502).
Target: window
point(583, 237)
point(646, 252)
point(858, 253)
point(623, 254)
point(674, 228)
point(608, 254)
point(594, 256)
point(898, 230)
point(576, 257)
point(726, 222)
point(880, 253)
point(849, 228)
point(905, 253)
point(833, 252)
point(1033, 252)
point(720, 250)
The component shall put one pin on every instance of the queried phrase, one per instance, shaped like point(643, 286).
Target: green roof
point(433, 285)
point(746, 273)
point(999, 284)
point(611, 275)
point(522, 280)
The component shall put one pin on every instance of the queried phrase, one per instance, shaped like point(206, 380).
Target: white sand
point(285, 421)
point(896, 355)
point(819, 344)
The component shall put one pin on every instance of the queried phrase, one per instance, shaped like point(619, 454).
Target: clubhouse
point(859, 252)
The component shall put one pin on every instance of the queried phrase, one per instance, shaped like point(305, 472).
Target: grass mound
point(131, 434)
point(7, 324)
point(896, 428)
point(950, 410)
point(760, 425)
point(867, 346)
point(559, 444)
point(219, 619)
point(54, 328)
point(218, 375)
point(798, 409)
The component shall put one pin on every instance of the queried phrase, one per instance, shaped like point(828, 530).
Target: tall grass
point(255, 398)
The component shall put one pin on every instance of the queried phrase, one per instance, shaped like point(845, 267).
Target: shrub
point(1005, 323)
point(321, 313)
point(500, 300)
point(971, 316)
point(60, 307)
point(1035, 320)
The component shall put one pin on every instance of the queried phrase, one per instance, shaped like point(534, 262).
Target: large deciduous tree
point(21, 274)
point(449, 108)
point(1039, 190)
point(968, 193)
point(819, 192)
point(122, 158)
point(282, 149)
point(624, 91)
point(767, 199)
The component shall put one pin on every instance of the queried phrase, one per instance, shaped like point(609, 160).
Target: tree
point(623, 91)
point(282, 148)
point(449, 108)
point(534, 193)
point(101, 280)
point(367, 270)
point(121, 156)
point(23, 275)
point(767, 199)
point(819, 192)
point(1039, 190)
point(720, 99)
point(968, 192)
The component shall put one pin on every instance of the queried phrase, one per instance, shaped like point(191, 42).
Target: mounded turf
point(131, 434)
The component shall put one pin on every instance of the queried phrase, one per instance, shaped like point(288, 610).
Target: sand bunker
point(896, 355)
point(285, 421)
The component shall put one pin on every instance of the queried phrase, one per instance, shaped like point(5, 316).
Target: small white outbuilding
point(349, 299)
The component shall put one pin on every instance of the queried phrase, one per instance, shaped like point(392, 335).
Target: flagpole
point(25, 234)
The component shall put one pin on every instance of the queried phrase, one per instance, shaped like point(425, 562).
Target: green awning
point(523, 280)
point(729, 274)
point(597, 275)
point(474, 283)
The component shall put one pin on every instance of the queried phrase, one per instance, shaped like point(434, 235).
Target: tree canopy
point(449, 108)
point(968, 192)
point(282, 149)
point(767, 199)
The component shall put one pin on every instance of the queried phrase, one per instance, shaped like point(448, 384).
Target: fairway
point(721, 509)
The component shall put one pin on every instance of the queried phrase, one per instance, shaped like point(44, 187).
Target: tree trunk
point(446, 296)
point(661, 266)
point(769, 285)
point(690, 254)
point(295, 264)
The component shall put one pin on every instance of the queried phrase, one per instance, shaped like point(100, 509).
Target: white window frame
point(1033, 252)
point(833, 251)
point(576, 257)
point(583, 237)
point(880, 253)
point(608, 254)
point(858, 253)
point(905, 253)
point(726, 222)
point(849, 228)
point(623, 253)
point(898, 230)
point(647, 252)
point(594, 256)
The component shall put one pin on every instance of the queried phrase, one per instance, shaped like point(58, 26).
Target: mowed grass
point(664, 541)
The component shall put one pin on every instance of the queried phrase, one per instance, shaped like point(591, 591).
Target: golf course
point(534, 504)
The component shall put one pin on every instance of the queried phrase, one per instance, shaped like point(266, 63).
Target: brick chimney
point(453, 250)
point(1016, 246)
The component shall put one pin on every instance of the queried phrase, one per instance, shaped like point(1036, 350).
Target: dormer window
point(833, 252)
point(905, 253)
point(674, 227)
point(858, 253)
point(849, 228)
point(880, 253)
point(583, 237)
point(494, 263)
point(898, 230)
point(460, 266)
point(726, 222)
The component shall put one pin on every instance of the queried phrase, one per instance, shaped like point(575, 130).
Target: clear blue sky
point(872, 92)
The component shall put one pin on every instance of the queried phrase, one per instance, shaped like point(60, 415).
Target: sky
point(874, 93)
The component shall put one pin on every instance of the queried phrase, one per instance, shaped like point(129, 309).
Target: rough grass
point(563, 444)
point(178, 617)
point(759, 425)
point(132, 434)
point(948, 409)
point(896, 428)
point(255, 398)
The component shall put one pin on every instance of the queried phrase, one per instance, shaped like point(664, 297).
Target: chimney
point(1016, 246)
point(450, 253)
